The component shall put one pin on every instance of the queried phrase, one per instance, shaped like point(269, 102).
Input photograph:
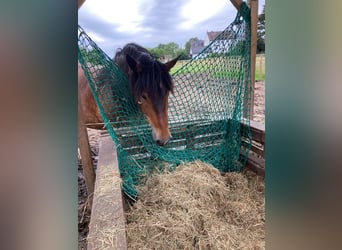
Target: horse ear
point(133, 65)
point(171, 63)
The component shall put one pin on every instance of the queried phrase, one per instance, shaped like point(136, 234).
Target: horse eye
point(144, 97)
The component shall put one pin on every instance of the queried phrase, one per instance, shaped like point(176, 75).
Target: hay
point(195, 207)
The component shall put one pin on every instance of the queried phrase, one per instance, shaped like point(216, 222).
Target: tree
point(91, 56)
point(183, 55)
point(189, 43)
point(168, 50)
point(156, 52)
point(261, 32)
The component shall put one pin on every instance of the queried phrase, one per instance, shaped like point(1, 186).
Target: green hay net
point(208, 113)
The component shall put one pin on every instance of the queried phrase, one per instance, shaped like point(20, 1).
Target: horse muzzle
point(161, 140)
point(163, 143)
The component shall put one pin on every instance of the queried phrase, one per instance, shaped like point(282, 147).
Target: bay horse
point(150, 84)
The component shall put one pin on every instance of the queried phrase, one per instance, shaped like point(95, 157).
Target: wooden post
point(83, 144)
point(236, 3)
point(86, 159)
point(253, 4)
point(80, 2)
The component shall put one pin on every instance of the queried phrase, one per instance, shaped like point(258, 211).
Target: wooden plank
point(257, 129)
point(258, 149)
point(177, 131)
point(258, 134)
point(181, 143)
point(256, 164)
point(86, 159)
point(254, 38)
point(204, 134)
point(197, 128)
point(257, 125)
point(208, 132)
point(107, 224)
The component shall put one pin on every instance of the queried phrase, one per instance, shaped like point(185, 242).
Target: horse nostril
point(163, 143)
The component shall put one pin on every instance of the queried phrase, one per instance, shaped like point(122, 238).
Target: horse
point(150, 84)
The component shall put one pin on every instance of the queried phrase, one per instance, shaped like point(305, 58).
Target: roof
point(213, 34)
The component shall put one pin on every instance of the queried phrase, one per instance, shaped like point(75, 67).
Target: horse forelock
point(153, 78)
point(146, 60)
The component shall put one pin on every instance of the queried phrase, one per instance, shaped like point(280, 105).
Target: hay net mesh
point(208, 113)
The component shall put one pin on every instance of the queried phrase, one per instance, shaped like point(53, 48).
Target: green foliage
point(188, 44)
point(260, 76)
point(173, 50)
point(92, 56)
point(158, 53)
point(169, 50)
point(260, 67)
point(183, 55)
point(261, 32)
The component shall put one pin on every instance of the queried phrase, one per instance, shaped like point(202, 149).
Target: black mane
point(152, 76)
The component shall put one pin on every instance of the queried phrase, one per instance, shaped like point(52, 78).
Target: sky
point(112, 24)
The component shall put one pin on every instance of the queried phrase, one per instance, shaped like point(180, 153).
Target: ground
point(259, 102)
point(84, 214)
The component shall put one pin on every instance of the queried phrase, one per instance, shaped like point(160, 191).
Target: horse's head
point(151, 84)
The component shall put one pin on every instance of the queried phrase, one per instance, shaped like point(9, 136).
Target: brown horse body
point(91, 113)
point(150, 84)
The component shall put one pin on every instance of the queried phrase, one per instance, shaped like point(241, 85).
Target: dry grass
point(195, 207)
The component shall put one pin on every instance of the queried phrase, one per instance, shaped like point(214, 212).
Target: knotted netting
point(208, 112)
